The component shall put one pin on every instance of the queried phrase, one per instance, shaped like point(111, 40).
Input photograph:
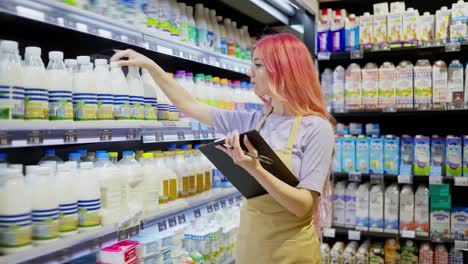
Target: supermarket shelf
point(391, 178)
point(82, 244)
point(75, 19)
point(353, 234)
point(403, 114)
point(14, 134)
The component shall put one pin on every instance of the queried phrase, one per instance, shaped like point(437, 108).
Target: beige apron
point(269, 233)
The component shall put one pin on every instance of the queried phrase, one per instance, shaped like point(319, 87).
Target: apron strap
point(294, 131)
point(262, 121)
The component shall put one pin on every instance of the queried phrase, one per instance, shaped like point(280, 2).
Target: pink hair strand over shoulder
point(293, 79)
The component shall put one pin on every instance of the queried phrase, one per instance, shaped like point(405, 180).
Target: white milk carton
point(459, 223)
point(339, 206)
point(350, 204)
point(366, 31)
point(376, 209)
point(442, 22)
point(391, 209)
point(362, 207)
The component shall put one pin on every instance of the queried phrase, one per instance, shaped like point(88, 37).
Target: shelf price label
point(71, 136)
point(223, 203)
point(81, 27)
point(452, 47)
point(162, 226)
point(356, 54)
point(231, 201)
point(354, 176)
point(376, 178)
point(460, 181)
point(329, 232)
point(185, 55)
point(436, 179)
point(354, 235)
point(408, 234)
point(216, 206)
point(5, 139)
point(460, 244)
point(104, 33)
point(106, 135)
point(95, 244)
point(172, 221)
point(196, 213)
point(180, 135)
point(159, 136)
point(209, 208)
point(204, 134)
point(122, 234)
point(134, 231)
point(405, 179)
point(35, 137)
point(131, 134)
point(323, 56)
point(181, 219)
point(164, 50)
point(176, 53)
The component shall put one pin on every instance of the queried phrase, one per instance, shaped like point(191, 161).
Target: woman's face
point(259, 76)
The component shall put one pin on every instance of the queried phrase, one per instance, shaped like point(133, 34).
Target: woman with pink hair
point(282, 226)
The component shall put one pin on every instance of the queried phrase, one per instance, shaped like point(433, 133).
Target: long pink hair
point(293, 79)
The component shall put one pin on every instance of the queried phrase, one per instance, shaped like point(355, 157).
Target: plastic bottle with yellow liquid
point(171, 177)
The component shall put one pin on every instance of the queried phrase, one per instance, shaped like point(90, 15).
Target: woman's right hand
point(134, 59)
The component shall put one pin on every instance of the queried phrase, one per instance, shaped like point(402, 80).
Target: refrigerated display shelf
point(69, 248)
point(402, 113)
point(14, 134)
point(65, 16)
point(391, 178)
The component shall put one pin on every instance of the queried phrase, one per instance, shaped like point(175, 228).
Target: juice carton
point(442, 22)
point(376, 154)
point(453, 156)
point(338, 149)
point(406, 155)
point(437, 156)
point(366, 31)
point(362, 154)
point(352, 33)
point(426, 28)
point(422, 155)
point(459, 223)
point(465, 156)
point(391, 154)
point(348, 153)
point(410, 25)
point(355, 128)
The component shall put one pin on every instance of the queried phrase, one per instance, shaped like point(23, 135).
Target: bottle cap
point(55, 55)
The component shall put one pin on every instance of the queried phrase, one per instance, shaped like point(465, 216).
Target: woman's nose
point(250, 72)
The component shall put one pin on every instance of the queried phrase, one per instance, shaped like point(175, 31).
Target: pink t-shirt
point(312, 151)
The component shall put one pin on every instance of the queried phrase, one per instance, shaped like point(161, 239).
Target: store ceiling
point(252, 10)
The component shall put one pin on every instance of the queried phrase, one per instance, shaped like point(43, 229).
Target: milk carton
point(355, 128)
point(459, 12)
point(442, 22)
point(406, 155)
point(422, 155)
point(376, 154)
point(453, 156)
point(437, 156)
point(426, 28)
point(348, 154)
point(327, 86)
point(351, 33)
point(342, 129)
point(366, 31)
point(380, 28)
point(338, 153)
point(370, 85)
point(372, 129)
point(338, 87)
point(407, 208)
point(457, 32)
point(459, 223)
point(439, 83)
point(455, 83)
point(421, 211)
point(395, 28)
point(353, 86)
point(337, 32)
point(339, 206)
point(465, 156)
point(391, 209)
point(410, 26)
point(391, 154)
point(362, 154)
point(323, 33)
point(350, 204)
point(362, 207)
point(440, 219)
point(376, 209)
point(387, 91)
point(422, 83)
point(404, 84)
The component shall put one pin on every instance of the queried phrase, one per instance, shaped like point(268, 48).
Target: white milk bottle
point(421, 210)
point(339, 207)
point(350, 204)
point(109, 181)
point(422, 84)
point(84, 91)
point(151, 98)
point(11, 84)
point(45, 211)
point(89, 198)
point(407, 208)
point(404, 85)
point(455, 84)
point(376, 208)
point(175, 19)
point(362, 207)
point(137, 94)
point(180, 78)
point(35, 85)
point(210, 29)
point(163, 104)
point(247, 41)
point(192, 29)
point(162, 173)
point(133, 175)
point(120, 90)
point(216, 30)
point(104, 91)
point(200, 91)
point(202, 27)
point(338, 88)
point(151, 184)
point(223, 36)
point(15, 214)
point(392, 196)
point(439, 84)
point(164, 17)
point(68, 198)
point(184, 26)
point(60, 85)
point(50, 156)
point(237, 38)
point(173, 111)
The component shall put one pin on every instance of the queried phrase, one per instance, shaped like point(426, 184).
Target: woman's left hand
point(248, 163)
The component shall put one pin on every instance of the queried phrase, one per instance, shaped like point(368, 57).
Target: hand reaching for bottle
point(134, 59)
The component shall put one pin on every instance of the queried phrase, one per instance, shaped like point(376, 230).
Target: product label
point(454, 157)
point(202, 35)
point(137, 110)
point(404, 86)
point(68, 217)
point(105, 107)
point(422, 85)
point(380, 29)
point(457, 33)
point(60, 105)
point(45, 224)
point(387, 86)
point(210, 39)
point(163, 112)
point(439, 82)
point(36, 103)
point(395, 28)
point(85, 106)
point(370, 86)
point(151, 108)
point(440, 223)
point(231, 45)
point(121, 106)
point(459, 223)
point(11, 102)
point(164, 22)
point(224, 47)
point(89, 213)
point(15, 230)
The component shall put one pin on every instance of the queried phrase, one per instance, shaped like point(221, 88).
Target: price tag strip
point(354, 176)
point(329, 232)
point(436, 179)
point(354, 235)
point(460, 181)
point(405, 179)
point(408, 234)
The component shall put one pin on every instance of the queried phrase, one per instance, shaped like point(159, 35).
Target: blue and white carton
point(362, 154)
point(391, 154)
point(376, 157)
point(348, 154)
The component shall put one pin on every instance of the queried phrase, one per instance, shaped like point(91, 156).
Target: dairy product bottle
point(387, 91)
point(211, 92)
point(407, 208)
point(227, 95)
point(163, 174)
point(248, 45)
point(35, 85)
point(237, 37)
point(191, 171)
point(326, 81)
point(104, 91)
point(439, 84)
point(89, 198)
point(376, 208)
point(410, 26)
point(392, 196)
point(350, 204)
point(337, 32)
point(11, 85)
point(442, 22)
point(184, 23)
point(163, 104)
point(338, 87)
point(339, 206)
point(164, 17)
point(133, 178)
point(151, 21)
point(84, 91)
point(150, 99)
point(68, 198)
point(426, 28)
point(404, 84)
point(50, 156)
point(217, 31)
point(366, 30)
point(121, 92)
point(45, 205)
point(422, 84)
point(60, 85)
point(192, 30)
point(152, 184)
point(15, 214)
point(421, 210)
point(202, 27)
point(172, 179)
point(173, 111)
point(231, 43)
point(223, 42)
point(455, 84)
point(370, 85)
point(71, 66)
point(353, 86)
point(174, 19)
point(137, 93)
point(199, 169)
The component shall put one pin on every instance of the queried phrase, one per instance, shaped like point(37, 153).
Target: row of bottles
point(199, 26)
point(80, 90)
point(421, 85)
point(93, 189)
